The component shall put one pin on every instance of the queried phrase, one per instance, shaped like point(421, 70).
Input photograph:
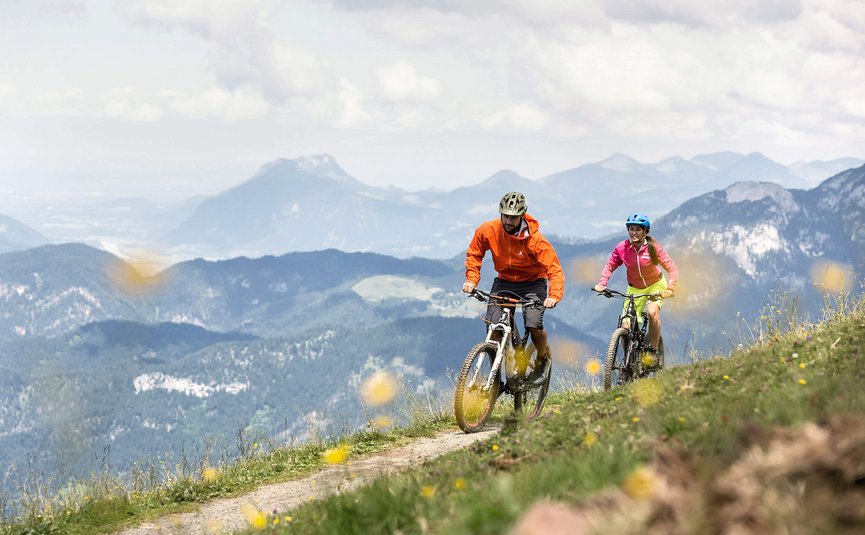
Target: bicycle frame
point(638, 328)
point(506, 347)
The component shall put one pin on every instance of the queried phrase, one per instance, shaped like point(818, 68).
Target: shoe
point(540, 372)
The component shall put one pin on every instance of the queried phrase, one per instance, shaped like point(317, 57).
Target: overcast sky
point(168, 98)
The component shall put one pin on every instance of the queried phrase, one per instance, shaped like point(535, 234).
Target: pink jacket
point(642, 273)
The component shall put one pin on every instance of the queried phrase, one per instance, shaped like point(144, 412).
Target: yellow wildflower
point(336, 455)
point(593, 367)
point(255, 518)
point(428, 491)
point(495, 447)
point(590, 438)
point(459, 483)
point(210, 474)
point(803, 382)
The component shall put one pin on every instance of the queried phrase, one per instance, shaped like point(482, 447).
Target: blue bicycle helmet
point(639, 219)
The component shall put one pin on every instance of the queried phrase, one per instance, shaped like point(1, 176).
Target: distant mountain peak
point(718, 160)
point(755, 191)
point(619, 162)
point(323, 165)
point(757, 157)
point(505, 176)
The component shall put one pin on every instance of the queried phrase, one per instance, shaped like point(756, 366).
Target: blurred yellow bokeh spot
point(567, 352)
point(255, 518)
point(647, 392)
point(832, 277)
point(640, 484)
point(381, 421)
point(139, 272)
point(380, 389)
point(585, 270)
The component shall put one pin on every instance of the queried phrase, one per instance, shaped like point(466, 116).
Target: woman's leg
point(654, 312)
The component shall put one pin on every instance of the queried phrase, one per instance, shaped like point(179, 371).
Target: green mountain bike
point(629, 342)
point(500, 364)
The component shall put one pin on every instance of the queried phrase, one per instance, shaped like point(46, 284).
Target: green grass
point(103, 504)
point(790, 378)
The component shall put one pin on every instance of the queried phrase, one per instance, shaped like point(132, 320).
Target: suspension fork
point(503, 327)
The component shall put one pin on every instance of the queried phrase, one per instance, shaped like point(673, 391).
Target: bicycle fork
point(505, 329)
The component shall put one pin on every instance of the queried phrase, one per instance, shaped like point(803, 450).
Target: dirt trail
point(226, 515)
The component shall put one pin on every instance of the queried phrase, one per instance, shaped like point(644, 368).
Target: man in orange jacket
point(527, 266)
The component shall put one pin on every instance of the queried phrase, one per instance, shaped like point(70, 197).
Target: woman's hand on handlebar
point(599, 288)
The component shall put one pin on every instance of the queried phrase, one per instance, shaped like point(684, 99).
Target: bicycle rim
point(615, 370)
point(473, 403)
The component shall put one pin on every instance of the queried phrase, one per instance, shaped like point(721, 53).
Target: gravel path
point(226, 515)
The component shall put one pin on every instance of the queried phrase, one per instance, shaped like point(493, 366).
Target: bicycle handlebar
point(481, 295)
point(613, 293)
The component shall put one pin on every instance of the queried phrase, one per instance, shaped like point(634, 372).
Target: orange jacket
point(522, 258)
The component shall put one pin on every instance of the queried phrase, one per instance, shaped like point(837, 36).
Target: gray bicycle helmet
point(513, 203)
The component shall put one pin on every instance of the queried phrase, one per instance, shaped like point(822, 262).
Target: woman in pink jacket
point(641, 255)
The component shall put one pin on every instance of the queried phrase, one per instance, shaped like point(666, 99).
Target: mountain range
point(311, 203)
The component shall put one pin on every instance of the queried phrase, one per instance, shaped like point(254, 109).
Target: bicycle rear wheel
point(473, 403)
point(615, 367)
point(530, 402)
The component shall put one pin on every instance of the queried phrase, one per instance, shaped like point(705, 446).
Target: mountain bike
point(499, 365)
point(627, 344)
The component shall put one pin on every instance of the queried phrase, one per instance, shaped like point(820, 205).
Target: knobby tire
point(531, 401)
point(472, 407)
point(615, 371)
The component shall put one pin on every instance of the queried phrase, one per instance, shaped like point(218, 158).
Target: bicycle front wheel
point(531, 402)
point(473, 401)
point(615, 367)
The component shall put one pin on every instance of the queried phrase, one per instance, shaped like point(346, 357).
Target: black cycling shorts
point(537, 289)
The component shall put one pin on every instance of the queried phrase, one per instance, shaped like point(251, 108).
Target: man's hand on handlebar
point(468, 287)
point(549, 302)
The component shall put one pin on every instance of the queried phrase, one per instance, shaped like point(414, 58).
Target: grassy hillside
point(663, 455)
point(702, 448)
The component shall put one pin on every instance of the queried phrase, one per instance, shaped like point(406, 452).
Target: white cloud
point(236, 105)
point(353, 105)
point(522, 116)
point(245, 50)
point(400, 81)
